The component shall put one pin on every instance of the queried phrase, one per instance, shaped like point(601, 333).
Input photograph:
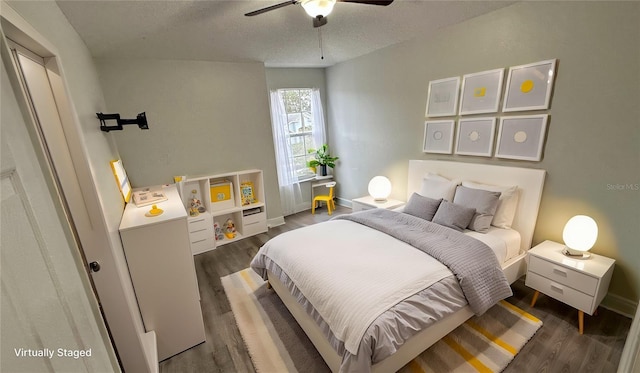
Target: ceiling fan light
point(316, 8)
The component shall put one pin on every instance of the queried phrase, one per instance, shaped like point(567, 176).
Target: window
point(299, 129)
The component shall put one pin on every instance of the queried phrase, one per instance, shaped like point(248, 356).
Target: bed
point(314, 293)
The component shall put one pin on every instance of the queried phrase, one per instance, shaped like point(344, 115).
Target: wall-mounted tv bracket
point(141, 121)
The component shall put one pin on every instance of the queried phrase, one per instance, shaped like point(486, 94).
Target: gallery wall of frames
point(474, 100)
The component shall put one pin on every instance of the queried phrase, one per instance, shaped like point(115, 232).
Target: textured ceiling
point(218, 30)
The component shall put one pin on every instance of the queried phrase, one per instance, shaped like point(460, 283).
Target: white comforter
point(340, 300)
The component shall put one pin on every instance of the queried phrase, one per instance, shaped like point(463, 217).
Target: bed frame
point(530, 184)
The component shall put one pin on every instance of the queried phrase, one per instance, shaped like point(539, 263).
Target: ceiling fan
point(318, 9)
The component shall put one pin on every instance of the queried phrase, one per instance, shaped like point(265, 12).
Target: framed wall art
point(529, 86)
point(481, 92)
point(522, 137)
point(438, 136)
point(475, 136)
point(442, 99)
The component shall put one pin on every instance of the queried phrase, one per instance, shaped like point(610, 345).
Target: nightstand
point(368, 203)
point(579, 283)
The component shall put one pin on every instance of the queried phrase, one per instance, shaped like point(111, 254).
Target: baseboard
point(618, 304)
point(344, 202)
point(275, 222)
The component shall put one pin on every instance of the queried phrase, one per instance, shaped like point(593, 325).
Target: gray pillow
point(453, 215)
point(422, 207)
point(484, 202)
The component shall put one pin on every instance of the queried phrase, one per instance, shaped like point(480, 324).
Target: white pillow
point(436, 187)
point(507, 204)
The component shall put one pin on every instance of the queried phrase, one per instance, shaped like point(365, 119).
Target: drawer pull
point(560, 271)
point(196, 221)
point(199, 230)
point(557, 288)
point(199, 241)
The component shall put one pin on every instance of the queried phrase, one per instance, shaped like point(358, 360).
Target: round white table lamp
point(379, 188)
point(579, 235)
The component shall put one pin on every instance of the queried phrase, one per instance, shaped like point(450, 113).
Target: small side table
point(579, 283)
point(319, 181)
point(368, 203)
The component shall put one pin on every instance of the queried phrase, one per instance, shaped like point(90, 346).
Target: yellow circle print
point(526, 86)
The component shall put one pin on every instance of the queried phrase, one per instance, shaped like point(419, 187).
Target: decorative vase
point(323, 169)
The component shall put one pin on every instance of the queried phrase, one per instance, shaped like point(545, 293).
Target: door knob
point(94, 266)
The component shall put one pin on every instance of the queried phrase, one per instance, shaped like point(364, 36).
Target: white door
point(50, 317)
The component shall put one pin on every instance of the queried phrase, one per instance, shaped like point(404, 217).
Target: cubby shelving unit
point(250, 218)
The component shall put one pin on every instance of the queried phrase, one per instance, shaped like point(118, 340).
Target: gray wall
point(377, 103)
point(204, 118)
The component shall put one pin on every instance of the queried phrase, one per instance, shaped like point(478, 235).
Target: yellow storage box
point(221, 191)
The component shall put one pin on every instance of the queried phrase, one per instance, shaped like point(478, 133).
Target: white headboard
point(530, 183)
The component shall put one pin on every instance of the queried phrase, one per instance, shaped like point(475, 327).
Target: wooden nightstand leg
point(580, 322)
point(269, 285)
point(535, 298)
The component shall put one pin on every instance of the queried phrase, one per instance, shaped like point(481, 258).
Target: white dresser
point(580, 283)
point(163, 273)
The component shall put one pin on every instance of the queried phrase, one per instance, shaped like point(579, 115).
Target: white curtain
point(319, 137)
point(290, 195)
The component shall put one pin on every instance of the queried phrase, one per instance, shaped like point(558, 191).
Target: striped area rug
point(277, 344)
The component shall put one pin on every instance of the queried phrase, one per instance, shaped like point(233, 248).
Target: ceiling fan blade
point(272, 7)
point(369, 2)
point(319, 21)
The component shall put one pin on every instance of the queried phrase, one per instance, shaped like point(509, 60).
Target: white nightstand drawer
point(355, 207)
point(563, 275)
point(560, 292)
point(198, 223)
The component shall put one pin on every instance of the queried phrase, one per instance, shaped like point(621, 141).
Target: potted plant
point(323, 159)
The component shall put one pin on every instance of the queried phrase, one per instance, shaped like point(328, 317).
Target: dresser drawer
point(203, 245)
point(199, 223)
point(254, 218)
point(563, 275)
point(200, 235)
point(254, 228)
point(560, 292)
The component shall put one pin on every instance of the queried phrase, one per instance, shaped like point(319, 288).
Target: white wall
point(377, 104)
point(204, 118)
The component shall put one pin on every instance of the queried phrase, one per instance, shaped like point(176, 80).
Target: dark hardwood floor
point(556, 347)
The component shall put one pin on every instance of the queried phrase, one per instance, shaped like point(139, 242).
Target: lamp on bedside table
point(379, 188)
point(579, 235)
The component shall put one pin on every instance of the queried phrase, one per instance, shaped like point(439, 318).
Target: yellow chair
point(326, 198)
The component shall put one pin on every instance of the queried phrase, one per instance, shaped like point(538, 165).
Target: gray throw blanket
point(472, 262)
